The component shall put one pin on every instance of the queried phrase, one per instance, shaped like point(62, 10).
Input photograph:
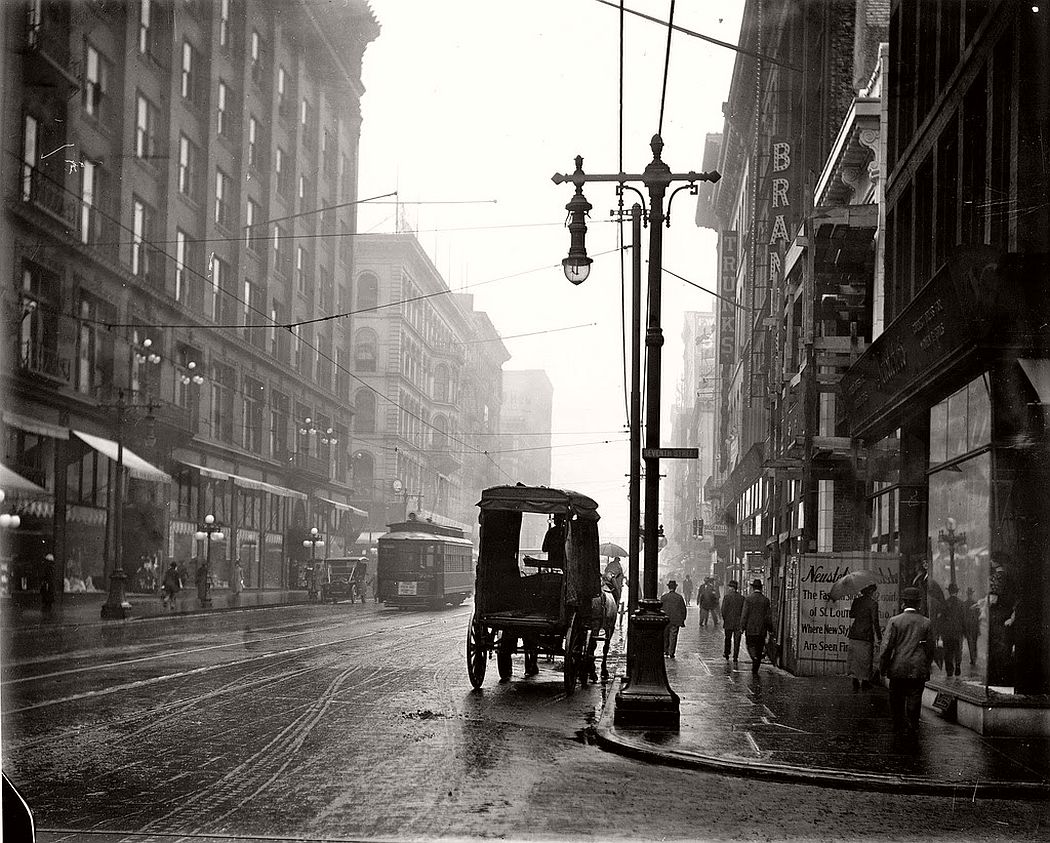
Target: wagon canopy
point(542, 499)
point(500, 518)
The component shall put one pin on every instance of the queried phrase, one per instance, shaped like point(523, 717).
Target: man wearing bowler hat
point(906, 661)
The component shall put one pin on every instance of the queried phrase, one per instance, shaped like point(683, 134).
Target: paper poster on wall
point(820, 625)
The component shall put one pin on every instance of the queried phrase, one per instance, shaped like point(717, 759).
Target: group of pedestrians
point(750, 618)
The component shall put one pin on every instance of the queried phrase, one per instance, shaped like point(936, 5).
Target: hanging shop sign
point(928, 339)
point(781, 194)
point(728, 263)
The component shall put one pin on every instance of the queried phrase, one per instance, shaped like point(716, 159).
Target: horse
point(604, 609)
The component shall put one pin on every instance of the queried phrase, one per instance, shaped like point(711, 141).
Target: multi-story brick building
point(951, 395)
point(798, 217)
point(427, 372)
point(179, 184)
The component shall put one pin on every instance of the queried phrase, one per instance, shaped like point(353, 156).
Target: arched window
point(441, 385)
point(364, 411)
point(364, 474)
point(367, 291)
point(365, 350)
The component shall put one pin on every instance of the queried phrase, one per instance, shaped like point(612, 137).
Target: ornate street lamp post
point(951, 538)
point(209, 532)
point(315, 539)
point(646, 698)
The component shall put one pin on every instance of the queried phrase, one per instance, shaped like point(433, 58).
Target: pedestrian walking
point(237, 584)
point(756, 620)
point(674, 607)
point(971, 625)
point(687, 589)
point(732, 607)
point(707, 600)
point(47, 584)
point(171, 585)
point(952, 626)
point(716, 602)
point(863, 633)
point(906, 659)
point(202, 581)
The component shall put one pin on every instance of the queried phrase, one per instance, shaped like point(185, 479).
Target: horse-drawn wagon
point(538, 606)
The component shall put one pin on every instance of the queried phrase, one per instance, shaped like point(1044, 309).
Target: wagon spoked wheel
point(573, 654)
point(504, 651)
point(477, 652)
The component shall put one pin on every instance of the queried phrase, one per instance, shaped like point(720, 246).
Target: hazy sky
point(485, 100)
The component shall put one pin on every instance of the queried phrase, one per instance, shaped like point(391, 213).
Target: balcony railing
point(49, 195)
point(39, 359)
point(311, 465)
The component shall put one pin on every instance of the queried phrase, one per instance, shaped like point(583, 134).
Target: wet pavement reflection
point(821, 724)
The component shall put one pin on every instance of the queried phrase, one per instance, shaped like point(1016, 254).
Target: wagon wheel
point(573, 653)
point(504, 650)
point(477, 652)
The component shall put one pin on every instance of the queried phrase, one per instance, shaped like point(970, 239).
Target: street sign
point(670, 453)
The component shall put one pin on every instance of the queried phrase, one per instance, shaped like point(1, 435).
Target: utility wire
point(709, 292)
point(270, 237)
point(321, 210)
point(757, 54)
point(530, 333)
point(667, 64)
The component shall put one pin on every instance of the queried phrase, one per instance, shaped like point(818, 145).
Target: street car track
point(195, 671)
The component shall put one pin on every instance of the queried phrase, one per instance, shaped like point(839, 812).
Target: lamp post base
point(116, 606)
point(645, 700)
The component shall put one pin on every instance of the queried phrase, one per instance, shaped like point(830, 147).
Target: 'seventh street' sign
point(670, 453)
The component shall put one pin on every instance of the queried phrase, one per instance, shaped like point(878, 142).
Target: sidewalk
point(817, 730)
point(85, 609)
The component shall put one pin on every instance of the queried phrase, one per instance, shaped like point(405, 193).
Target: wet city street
point(351, 722)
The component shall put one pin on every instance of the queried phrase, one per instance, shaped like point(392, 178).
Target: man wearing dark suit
point(732, 606)
point(906, 661)
point(757, 621)
point(673, 606)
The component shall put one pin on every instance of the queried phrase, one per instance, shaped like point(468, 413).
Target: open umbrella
point(611, 549)
point(852, 583)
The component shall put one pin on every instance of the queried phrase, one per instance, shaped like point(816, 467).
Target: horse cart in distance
point(532, 605)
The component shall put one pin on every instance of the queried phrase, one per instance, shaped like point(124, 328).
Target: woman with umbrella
point(864, 631)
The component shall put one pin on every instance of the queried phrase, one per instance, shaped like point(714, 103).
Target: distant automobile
point(346, 579)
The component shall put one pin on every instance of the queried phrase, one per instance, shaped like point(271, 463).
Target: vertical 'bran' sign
point(728, 261)
point(780, 192)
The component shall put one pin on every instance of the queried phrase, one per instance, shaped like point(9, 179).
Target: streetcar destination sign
point(670, 453)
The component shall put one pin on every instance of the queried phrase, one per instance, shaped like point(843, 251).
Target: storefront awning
point(1038, 372)
point(135, 465)
point(246, 482)
point(37, 426)
point(353, 510)
point(14, 483)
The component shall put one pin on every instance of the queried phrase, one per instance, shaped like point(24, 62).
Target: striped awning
point(15, 484)
point(136, 466)
point(246, 482)
point(353, 510)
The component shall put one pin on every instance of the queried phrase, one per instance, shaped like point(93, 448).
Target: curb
point(610, 739)
point(151, 617)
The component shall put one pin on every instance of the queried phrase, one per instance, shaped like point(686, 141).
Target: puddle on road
point(427, 714)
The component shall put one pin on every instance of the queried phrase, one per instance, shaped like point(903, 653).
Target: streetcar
point(423, 564)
